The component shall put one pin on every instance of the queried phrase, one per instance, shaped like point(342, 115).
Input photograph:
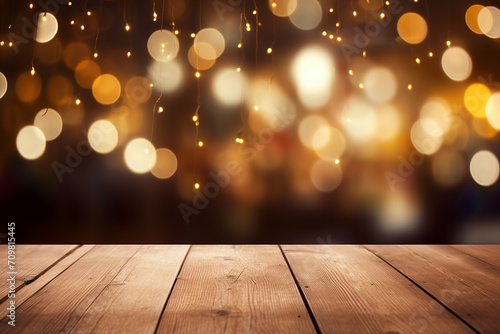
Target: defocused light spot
point(282, 8)
point(50, 122)
point(475, 98)
point(30, 142)
point(313, 75)
point(3, 85)
point(75, 53)
point(448, 168)
point(165, 76)
point(209, 43)
point(472, 18)
point(308, 128)
point(484, 168)
point(489, 21)
point(86, 72)
point(198, 62)
point(412, 28)
point(456, 63)
point(307, 15)
point(28, 87)
point(59, 90)
point(361, 125)
point(493, 110)
point(435, 117)
point(227, 86)
point(388, 122)
point(46, 27)
point(106, 89)
point(380, 85)
point(103, 136)
point(398, 215)
point(329, 143)
point(423, 141)
point(140, 155)
point(163, 45)
point(326, 175)
point(166, 164)
point(138, 90)
point(371, 4)
point(483, 128)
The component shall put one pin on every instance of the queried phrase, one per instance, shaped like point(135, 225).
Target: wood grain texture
point(59, 305)
point(463, 283)
point(235, 289)
point(134, 300)
point(30, 289)
point(487, 253)
point(31, 260)
point(350, 290)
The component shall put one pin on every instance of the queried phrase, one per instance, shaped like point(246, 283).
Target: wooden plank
point(134, 300)
point(235, 289)
point(487, 253)
point(464, 284)
point(30, 289)
point(350, 290)
point(59, 305)
point(31, 260)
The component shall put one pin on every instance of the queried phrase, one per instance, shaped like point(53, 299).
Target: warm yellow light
point(248, 28)
point(10, 44)
point(337, 161)
point(129, 54)
point(196, 185)
point(269, 50)
point(382, 15)
point(238, 69)
point(82, 27)
point(44, 18)
point(239, 140)
point(197, 74)
point(70, 3)
point(89, 13)
point(160, 110)
point(195, 118)
point(431, 54)
point(410, 87)
point(364, 53)
point(77, 102)
point(417, 60)
point(256, 108)
point(331, 36)
point(96, 54)
point(176, 32)
point(193, 35)
point(331, 10)
point(354, 13)
point(239, 45)
point(273, 5)
point(448, 43)
point(254, 12)
point(2, 43)
point(337, 24)
point(32, 71)
point(151, 85)
point(324, 33)
point(361, 85)
point(351, 72)
point(387, 3)
point(339, 39)
point(155, 16)
point(200, 143)
point(72, 22)
point(31, 5)
point(127, 27)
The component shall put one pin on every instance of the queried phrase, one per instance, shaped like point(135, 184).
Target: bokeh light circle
point(165, 76)
point(163, 45)
point(140, 155)
point(307, 15)
point(282, 8)
point(46, 27)
point(489, 21)
point(3, 85)
point(86, 72)
point(166, 164)
point(50, 122)
point(209, 43)
point(329, 143)
point(106, 89)
point(484, 168)
point(103, 136)
point(227, 86)
point(423, 141)
point(198, 62)
point(380, 85)
point(472, 18)
point(412, 28)
point(326, 175)
point(493, 110)
point(308, 128)
point(28, 87)
point(456, 63)
point(475, 99)
point(30, 142)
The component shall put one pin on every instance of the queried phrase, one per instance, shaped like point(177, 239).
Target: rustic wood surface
point(253, 289)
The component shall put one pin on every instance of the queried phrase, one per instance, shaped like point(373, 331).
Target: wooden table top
point(253, 289)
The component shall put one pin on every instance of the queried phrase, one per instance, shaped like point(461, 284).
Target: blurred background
point(236, 121)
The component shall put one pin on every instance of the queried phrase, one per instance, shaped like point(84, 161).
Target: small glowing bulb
point(364, 53)
point(96, 54)
point(163, 45)
point(129, 54)
point(415, 0)
point(273, 5)
point(248, 28)
point(339, 39)
point(32, 71)
point(354, 13)
point(195, 118)
point(2, 43)
point(331, 10)
point(239, 140)
point(200, 143)
point(431, 54)
point(31, 6)
point(254, 12)
point(361, 85)
point(10, 44)
point(193, 35)
point(387, 3)
point(351, 72)
point(44, 18)
point(176, 32)
point(448, 43)
point(197, 74)
point(331, 36)
point(417, 60)
point(127, 27)
point(255, 108)
point(77, 102)
point(238, 69)
point(155, 16)
point(269, 50)
point(160, 109)
point(337, 161)
point(72, 22)
point(196, 185)
point(337, 24)
point(324, 33)
point(151, 85)
point(89, 13)
point(239, 45)
point(70, 3)
point(410, 87)
point(382, 15)
point(82, 27)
